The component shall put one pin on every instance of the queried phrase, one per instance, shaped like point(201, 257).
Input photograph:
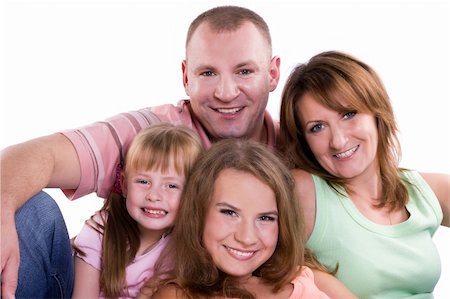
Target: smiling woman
point(232, 247)
point(363, 212)
point(62, 73)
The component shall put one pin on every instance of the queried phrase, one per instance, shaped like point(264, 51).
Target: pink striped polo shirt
point(100, 145)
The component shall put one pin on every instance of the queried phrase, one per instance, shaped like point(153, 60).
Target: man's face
point(228, 76)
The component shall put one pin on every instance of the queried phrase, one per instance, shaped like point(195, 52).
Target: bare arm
point(27, 168)
point(87, 280)
point(304, 187)
point(331, 286)
point(440, 183)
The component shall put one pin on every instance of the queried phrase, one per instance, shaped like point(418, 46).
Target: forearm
point(29, 167)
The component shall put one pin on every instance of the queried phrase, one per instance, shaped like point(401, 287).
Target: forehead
point(243, 190)
point(245, 43)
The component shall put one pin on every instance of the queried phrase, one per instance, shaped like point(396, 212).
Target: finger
point(9, 278)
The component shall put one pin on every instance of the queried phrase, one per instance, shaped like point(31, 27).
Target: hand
point(10, 258)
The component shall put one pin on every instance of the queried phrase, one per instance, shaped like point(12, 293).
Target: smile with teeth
point(155, 212)
point(228, 110)
point(240, 253)
point(346, 153)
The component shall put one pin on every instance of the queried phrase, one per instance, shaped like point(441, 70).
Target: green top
point(379, 261)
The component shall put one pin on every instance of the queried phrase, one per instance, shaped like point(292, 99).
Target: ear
point(274, 72)
point(123, 184)
point(185, 76)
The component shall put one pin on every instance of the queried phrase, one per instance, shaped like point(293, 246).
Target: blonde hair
point(330, 76)
point(160, 147)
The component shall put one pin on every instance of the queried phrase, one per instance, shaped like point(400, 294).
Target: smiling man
point(228, 74)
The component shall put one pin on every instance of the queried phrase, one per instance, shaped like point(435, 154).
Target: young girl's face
point(153, 197)
point(241, 227)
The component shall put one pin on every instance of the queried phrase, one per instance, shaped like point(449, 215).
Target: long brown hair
point(327, 77)
point(158, 147)
point(193, 268)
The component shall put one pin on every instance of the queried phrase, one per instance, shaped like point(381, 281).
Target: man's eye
point(207, 74)
point(245, 72)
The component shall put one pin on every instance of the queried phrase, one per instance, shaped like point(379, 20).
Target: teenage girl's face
point(152, 198)
point(228, 77)
point(344, 144)
point(241, 227)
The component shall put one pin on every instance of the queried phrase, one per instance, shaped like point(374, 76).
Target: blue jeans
point(46, 263)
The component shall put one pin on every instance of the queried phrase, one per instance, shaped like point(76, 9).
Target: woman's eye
point(349, 115)
point(228, 212)
point(267, 218)
point(316, 128)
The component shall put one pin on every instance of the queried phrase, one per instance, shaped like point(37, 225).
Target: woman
point(362, 212)
point(239, 231)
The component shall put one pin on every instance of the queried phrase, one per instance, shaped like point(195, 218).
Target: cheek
point(317, 145)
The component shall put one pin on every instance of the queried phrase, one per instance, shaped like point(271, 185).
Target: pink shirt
point(100, 144)
point(137, 273)
point(304, 286)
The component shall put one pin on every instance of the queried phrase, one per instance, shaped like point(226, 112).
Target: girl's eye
point(144, 182)
point(316, 128)
point(267, 218)
point(349, 115)
point(228, 212)
point(173, 186)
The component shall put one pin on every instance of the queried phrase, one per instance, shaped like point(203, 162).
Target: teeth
point(156, 212)
point(232, 110)
point(346, 153)
point(240, 253)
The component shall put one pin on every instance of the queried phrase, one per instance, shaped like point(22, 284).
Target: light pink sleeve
point(97, 146)
point(90, 242)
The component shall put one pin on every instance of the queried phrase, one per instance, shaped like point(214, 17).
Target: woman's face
point(241, 227)
point(345, 144)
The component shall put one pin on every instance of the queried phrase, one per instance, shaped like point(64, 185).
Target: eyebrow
point(227, 205)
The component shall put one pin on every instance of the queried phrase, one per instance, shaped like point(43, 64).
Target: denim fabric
point(46, 263)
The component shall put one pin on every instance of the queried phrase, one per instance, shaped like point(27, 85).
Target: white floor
point(77, 211)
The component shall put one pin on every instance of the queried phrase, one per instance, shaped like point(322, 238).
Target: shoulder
point(170, 291)
point(304, 187)
point(440, 184)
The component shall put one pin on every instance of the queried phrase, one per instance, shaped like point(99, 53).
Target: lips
point(240, 254)
point(155, 211)
point(347, 153)
point(229, 110)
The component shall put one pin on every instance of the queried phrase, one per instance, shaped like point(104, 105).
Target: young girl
point(118, 246)
point(239, 231)
point(362, 210)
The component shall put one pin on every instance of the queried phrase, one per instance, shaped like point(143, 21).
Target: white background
point(70, 63)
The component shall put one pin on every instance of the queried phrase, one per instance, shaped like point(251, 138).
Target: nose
point(338, 138)
point(246, 233)
point(226, 89)
point(153, 194)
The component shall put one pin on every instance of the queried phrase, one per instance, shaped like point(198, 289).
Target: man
point(228, 74)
